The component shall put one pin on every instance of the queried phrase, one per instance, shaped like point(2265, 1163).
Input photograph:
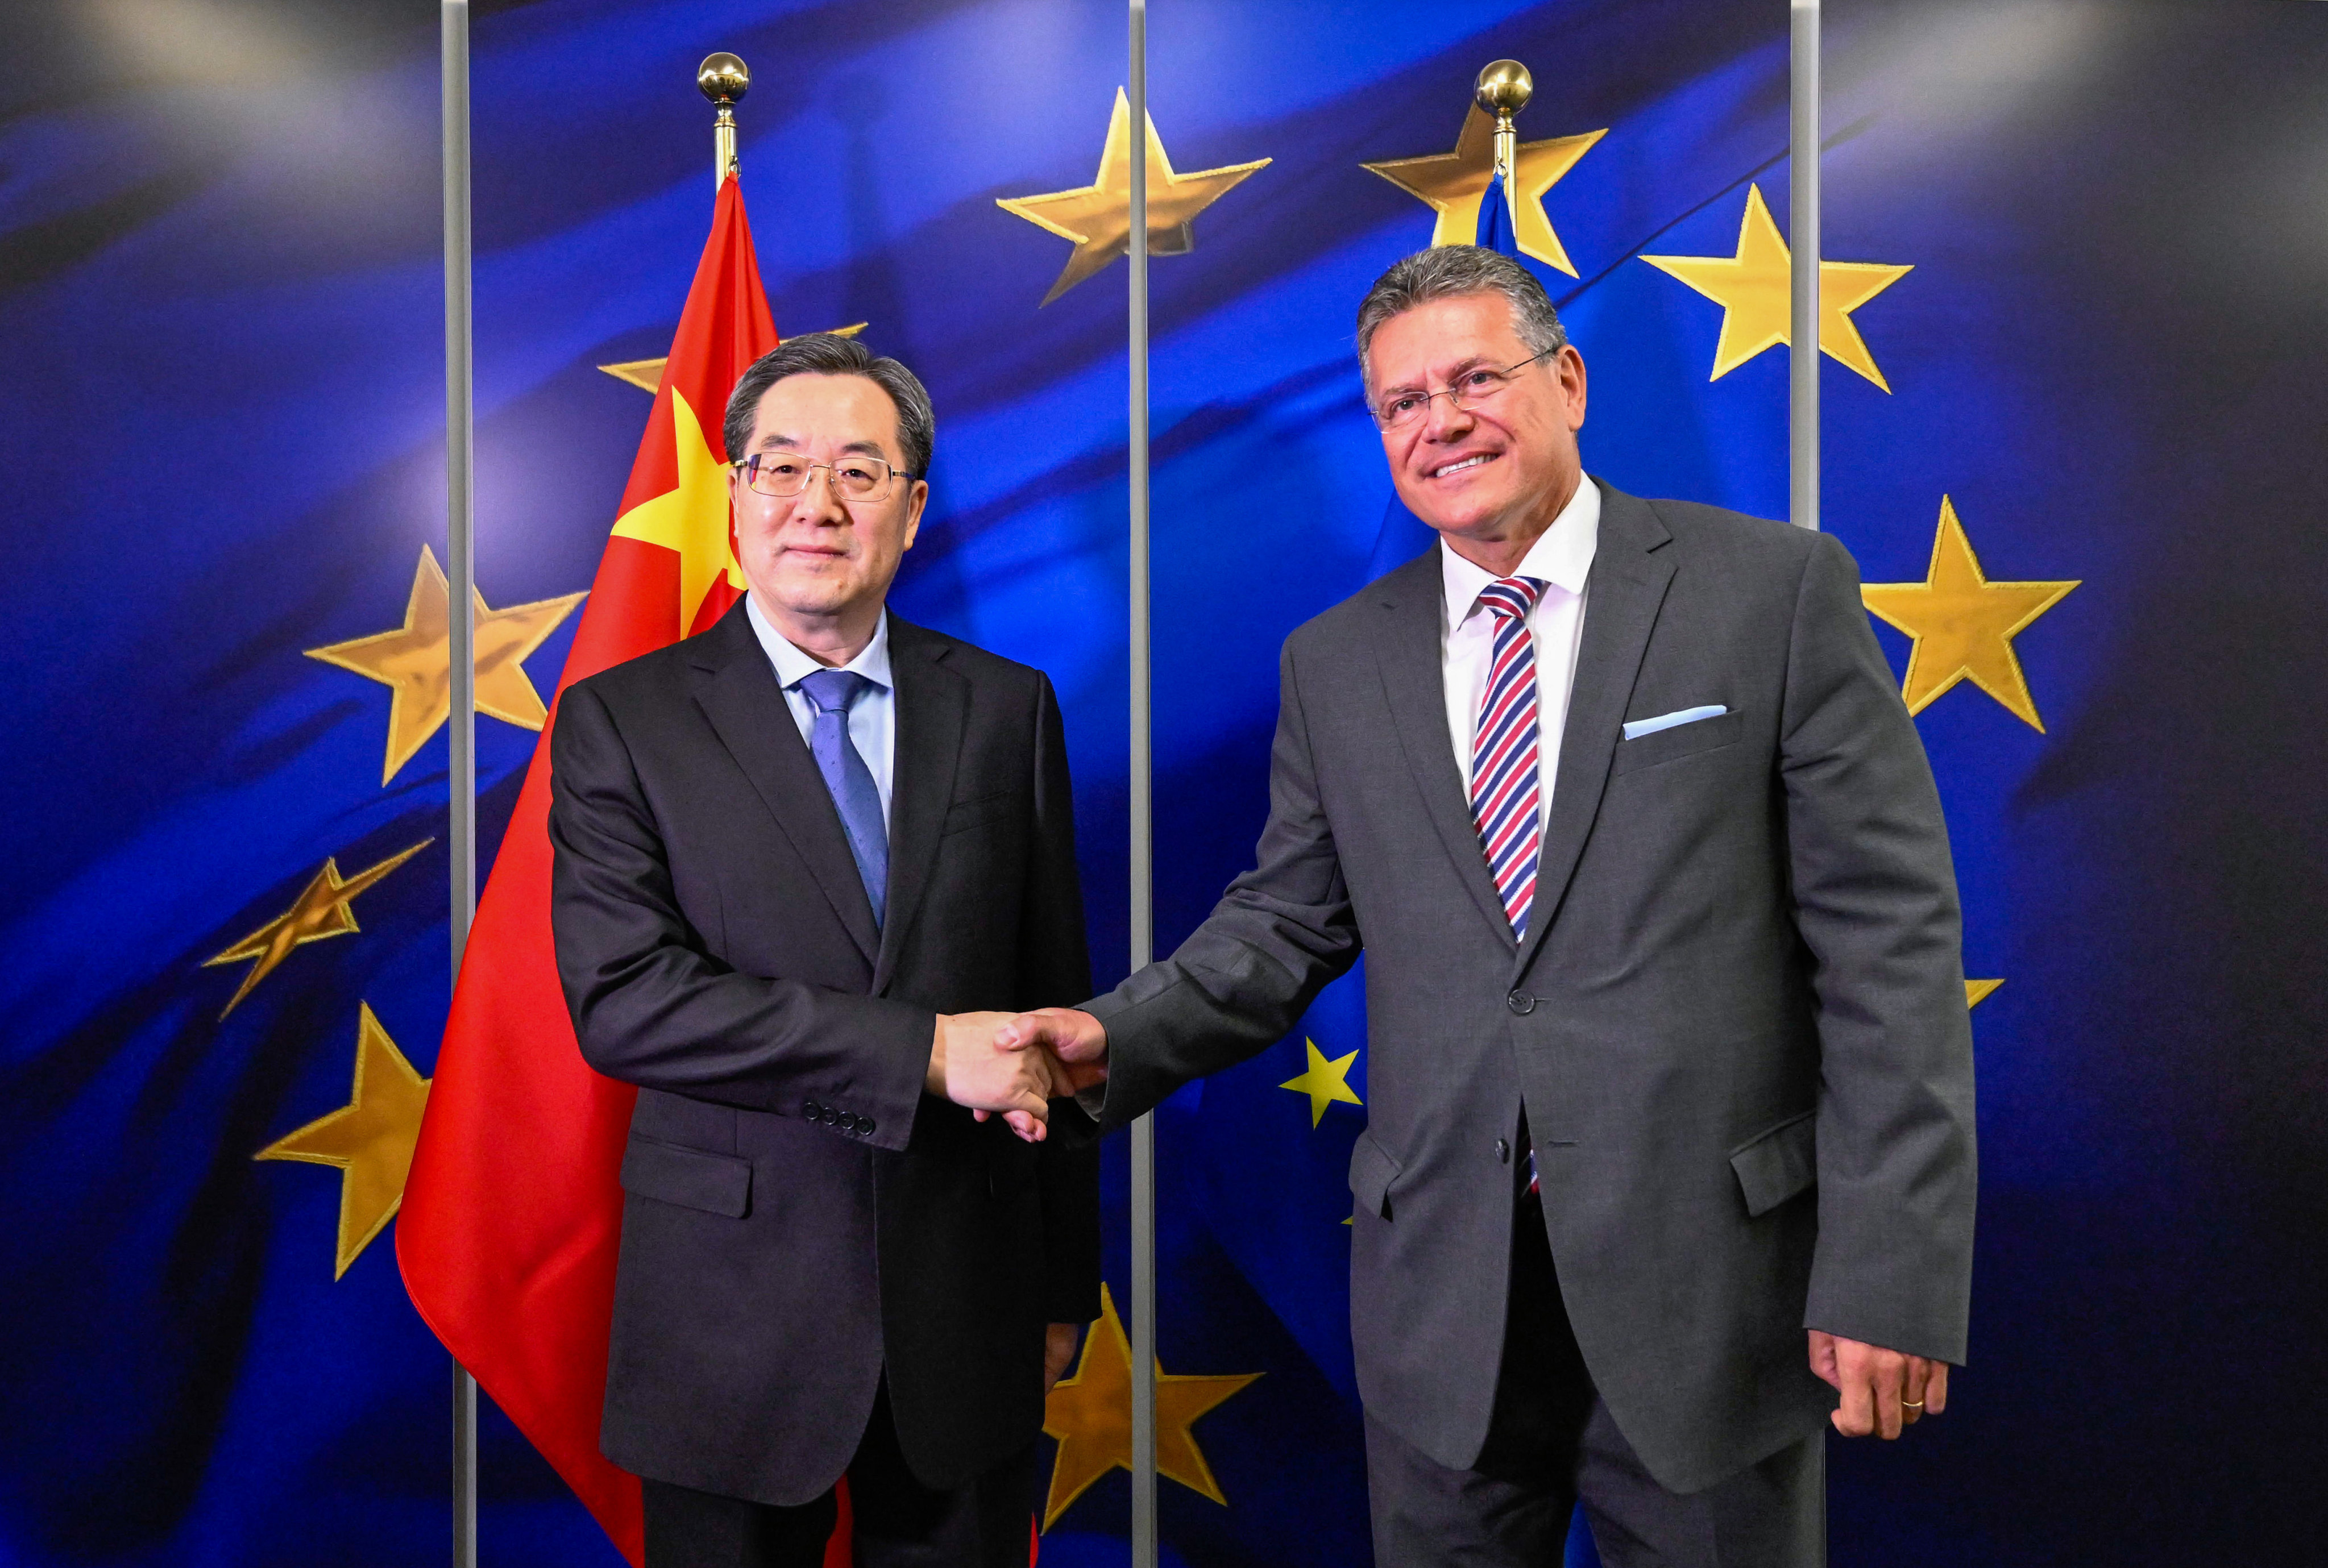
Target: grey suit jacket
point(1737, 1022)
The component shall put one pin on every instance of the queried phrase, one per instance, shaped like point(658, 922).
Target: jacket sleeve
point(1876, 897)
point(653, 1007)
point(1243, 978)
point(1055, 969)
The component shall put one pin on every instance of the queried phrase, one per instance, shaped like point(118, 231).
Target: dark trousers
point(897, 1522)
point(1552, 1445)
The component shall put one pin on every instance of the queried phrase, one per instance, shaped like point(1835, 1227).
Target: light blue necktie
point(832, 693)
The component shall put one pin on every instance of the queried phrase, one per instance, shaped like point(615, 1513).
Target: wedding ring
point(1912, 1404)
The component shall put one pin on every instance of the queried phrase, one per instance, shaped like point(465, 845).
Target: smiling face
point(1494, 476)
point(814, 562)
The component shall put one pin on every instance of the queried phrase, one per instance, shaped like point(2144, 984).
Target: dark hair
point(829, 354)
point(1449, 271)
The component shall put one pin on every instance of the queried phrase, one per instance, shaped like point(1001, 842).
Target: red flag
point(511, 1213)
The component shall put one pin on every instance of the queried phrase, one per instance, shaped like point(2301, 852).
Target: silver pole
point(461, 550)
point(1803, 357)
point(1143, 834)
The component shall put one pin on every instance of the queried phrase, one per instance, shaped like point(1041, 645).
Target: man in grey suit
point(1671, 1079)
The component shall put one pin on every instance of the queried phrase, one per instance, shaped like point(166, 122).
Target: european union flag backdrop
point(2079, 288)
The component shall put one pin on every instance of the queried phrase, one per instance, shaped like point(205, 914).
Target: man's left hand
point(1059, 1341)
point(1883, 1391)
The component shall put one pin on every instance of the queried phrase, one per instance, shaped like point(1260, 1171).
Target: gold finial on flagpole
point(1503, 90)
point(724, 80)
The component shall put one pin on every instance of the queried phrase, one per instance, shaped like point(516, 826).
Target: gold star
point(1324, 1082)
point(1091, 1416)
point(1963, 624)
point(1453, 184)
point(1977, 990)
point(369, 1139)
point(415, 661)
point(646, 375)
point(324, 908)
point(692, 517)
point(1098, 217)
point(1756, 294)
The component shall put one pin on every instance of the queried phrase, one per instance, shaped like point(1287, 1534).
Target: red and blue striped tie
point(1506, 797)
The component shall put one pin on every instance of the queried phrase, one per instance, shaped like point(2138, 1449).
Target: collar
point(1562, 556)
point(793, 666)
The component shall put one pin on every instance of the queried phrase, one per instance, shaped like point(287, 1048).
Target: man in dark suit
point(1671, 1075)
point(787, 850)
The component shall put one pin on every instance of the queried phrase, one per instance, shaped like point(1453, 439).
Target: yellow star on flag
point(324, 908)
point(415, 661)
point(1755, 292)
point(692, 517)
point(1097, 217)
point(1977, 990)
point(1453, 184)
point(1963, 624)
point(369, 1139)
point(1325, 1082)
point(1089, 1413)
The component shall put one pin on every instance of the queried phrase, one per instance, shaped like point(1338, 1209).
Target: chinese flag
point(512, 1212)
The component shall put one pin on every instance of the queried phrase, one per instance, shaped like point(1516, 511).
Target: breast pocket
point(1681, 740)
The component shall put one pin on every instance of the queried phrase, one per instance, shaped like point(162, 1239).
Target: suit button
point(864, 1126)
point(1521, 1003)
point(831, 1117)
point(1503, 1152)
point(848, 1123)
point(810, 1110)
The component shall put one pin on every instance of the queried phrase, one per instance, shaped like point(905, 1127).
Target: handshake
point(1012, 1065)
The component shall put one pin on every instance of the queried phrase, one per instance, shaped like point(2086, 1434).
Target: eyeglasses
point(1471, 388)
point(783, 474)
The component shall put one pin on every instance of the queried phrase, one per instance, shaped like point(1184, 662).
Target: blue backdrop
point(221, 293)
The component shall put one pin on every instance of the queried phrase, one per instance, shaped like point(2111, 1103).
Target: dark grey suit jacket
point(1737, 1023)
point(801, 1218)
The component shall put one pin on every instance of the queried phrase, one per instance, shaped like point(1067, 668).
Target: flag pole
point(1144, 826)
point(461, 554)
point(1503, 90)
point(1803, 221)
point(724, 80)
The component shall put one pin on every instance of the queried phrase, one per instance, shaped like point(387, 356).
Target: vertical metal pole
point(1143, 830)
point(1803, 357)
point(460, 548)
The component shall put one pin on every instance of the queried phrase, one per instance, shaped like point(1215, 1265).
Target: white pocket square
point(1636, 728)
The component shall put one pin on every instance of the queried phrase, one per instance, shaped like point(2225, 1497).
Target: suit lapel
point(1410, 660)
point(933, 713)
point(1622, 594)
point(737, 689)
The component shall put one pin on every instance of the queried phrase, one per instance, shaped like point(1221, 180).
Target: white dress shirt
point(872, 718)
point(1563, 559)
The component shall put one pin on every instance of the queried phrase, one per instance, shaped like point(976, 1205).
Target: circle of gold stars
point(1755, 292)
point(1453, 184)
point(1090, 1414)
point(415, 661)
point(1097, 217)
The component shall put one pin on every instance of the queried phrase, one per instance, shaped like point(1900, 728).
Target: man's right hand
point(1075, 1041)
point(968, 1068)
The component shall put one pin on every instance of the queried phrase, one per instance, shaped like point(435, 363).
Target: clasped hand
point(1013, 1065)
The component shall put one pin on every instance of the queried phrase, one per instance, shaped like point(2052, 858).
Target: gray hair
point(1449, 271)
point(828, 354)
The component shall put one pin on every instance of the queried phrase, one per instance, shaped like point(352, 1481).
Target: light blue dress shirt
point(872, 718)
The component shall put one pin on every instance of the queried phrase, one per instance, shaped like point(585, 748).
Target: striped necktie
point(1507, 800)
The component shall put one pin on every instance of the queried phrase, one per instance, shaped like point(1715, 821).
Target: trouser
point(897, 1521)
point(1552, 1445)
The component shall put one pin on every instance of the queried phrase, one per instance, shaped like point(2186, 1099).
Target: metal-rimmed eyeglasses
point(784, 474)
point(1480, 384)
